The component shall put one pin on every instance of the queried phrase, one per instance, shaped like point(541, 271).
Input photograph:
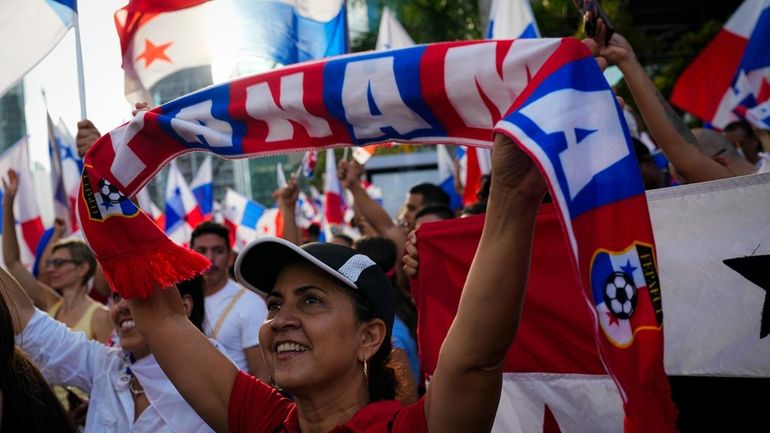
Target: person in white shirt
point(233, 314)
point(129, 391)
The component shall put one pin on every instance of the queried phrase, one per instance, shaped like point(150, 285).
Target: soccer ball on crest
point(109, 192)
point(620, 295)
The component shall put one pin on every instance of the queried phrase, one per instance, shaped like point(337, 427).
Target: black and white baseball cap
point(260, 262)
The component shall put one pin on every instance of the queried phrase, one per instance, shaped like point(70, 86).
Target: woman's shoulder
point(256, 406)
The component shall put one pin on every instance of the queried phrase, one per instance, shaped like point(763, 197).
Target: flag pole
point(81, 75)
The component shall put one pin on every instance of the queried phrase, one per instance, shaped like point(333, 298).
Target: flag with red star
point(158, 39)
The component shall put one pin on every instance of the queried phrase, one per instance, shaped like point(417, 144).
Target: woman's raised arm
point(465, 389)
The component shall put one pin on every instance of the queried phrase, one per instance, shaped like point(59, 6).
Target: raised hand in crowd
point(140, 106)
point(286, 200)
point(349, 174)
point(86, 136)
point(411, 259)
point(675, 139)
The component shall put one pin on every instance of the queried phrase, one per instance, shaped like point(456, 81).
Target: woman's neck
point(321, 413)
point(73, 297)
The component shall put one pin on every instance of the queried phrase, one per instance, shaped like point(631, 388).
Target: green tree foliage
point(430, 21)
point(441, 20)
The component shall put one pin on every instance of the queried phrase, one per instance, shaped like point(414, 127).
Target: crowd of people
point(312, 335)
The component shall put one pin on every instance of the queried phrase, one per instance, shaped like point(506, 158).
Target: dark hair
point(211, 228)
point(485, 184)
point(743, 125)
point(440, 210)
point(194, 288)
point(80, 253)
point(345, 238)
point(642, 152)
point(431, 194)
point(381, 377)
point(29, 404)
point(383, 252)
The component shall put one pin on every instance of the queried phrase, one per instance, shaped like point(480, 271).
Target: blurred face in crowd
point(63, 271)
point(414, 202)
point(216, 249)
point(311, 336)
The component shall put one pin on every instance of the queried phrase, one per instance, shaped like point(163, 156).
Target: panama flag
point(66, 166)
point(202, 187)
point(29, 225)
point(241, 216)
point(308, 213)
point(30, 29)
point(511, 19)
point(182, 210)
point(270, 223)
point(391, 33)
point(309, 161)
point(282, 32)
point(333, 201)
point(160, 38)
point(730, 79)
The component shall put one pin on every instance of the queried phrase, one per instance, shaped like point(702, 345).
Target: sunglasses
point(58, 263)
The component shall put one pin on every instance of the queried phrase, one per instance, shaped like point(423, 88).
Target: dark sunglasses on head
point(58, 263)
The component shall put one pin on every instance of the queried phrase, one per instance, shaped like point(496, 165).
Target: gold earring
point(366, 371)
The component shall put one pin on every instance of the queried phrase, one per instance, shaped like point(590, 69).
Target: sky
point(57, 75)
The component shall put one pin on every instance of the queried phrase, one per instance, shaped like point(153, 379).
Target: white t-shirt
point(66, 357)
point(240, 329)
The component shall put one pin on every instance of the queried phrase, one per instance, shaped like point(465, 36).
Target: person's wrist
point(355, 186)
point(626, 62)
point(515, 197)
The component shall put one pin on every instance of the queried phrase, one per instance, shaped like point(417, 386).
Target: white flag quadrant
point(713, 314)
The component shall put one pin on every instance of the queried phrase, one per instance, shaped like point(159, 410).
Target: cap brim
point(260, 262)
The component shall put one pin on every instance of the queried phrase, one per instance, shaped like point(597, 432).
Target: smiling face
point(130, 338)
point(312, 339)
